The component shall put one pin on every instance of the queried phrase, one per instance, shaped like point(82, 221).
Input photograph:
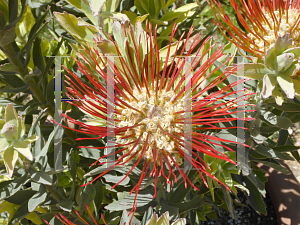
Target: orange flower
point(264, 22)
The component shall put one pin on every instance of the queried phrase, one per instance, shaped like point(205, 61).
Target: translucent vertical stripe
point(187, 113)
point(110, 111)
point(57, 115)
point(241, 158)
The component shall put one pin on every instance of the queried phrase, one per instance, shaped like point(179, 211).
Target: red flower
point(64, 219)
point(263, 20)
point(150, 105)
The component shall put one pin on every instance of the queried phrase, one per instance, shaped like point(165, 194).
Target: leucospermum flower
point(150, 102)
point(264, 21)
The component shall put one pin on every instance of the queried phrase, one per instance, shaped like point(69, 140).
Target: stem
point(283, 135)
point(54, 194)
point(12, 52)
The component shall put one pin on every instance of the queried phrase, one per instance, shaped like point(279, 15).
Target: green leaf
point(32, 128)
point(284, 61)
point(194, 203)
point(147, 216)
point(284, 122)
point(10, 157)
point(120, 36)
point(10, 113)
point(31, 139)
point(270, 117)
point(122, 169)
point(116, 179)
point(278, 96)
point(164, 51)
point(22, 148)
point(152, 220)
point(81, 33)
point(125, 219)
point(282, 43)
point(99, 194)
point(228, 201)
point(270, 153)
point(72, 169)
point(3, 144)
point(84, 6)
point(8, 67)
point(96, 6)
point(35, 30)
point(16, 90)
point(140, 7)
point(8, 188)
point(8, 37)
point(44, 76)
point(21, 196)
point(287, 107)
point(181, 221)
point(253, 71)
point(42, 178)
point(167, 208)
point(127, 202)
point(285, 148)
point(37, 56)
point(66, 205)
point(13, 6)
point(170, 2)
point(43, 152)
point(180, 193)
point(20, 214)
point(255, 198)
point(279, 121)
point(163, 219)
point(4, 10)
point(270, 58)
point(260, 186)
point(89, 153)
point(87, 196)
point(178, 12)
point(295, 51)
point(297, 87)
point(107, 47)
point(37, 199)
point(287, 85)
point(274, 165)
point(269, 82)
point(50, 91)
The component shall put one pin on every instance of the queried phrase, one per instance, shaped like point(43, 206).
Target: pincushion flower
point(150, 101)
point(264, 21)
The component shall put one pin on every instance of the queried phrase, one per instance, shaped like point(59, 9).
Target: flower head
point(264, 21)
point(160, 118)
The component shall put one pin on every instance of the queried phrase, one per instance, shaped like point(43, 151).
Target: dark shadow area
point(284, 191)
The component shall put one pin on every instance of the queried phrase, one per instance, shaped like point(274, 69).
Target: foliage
point(34, 189)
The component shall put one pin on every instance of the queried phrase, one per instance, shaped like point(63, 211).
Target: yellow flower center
point(153, 115)
point(283, 26)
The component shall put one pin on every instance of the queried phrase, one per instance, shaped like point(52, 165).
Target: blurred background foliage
point(31, 33)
